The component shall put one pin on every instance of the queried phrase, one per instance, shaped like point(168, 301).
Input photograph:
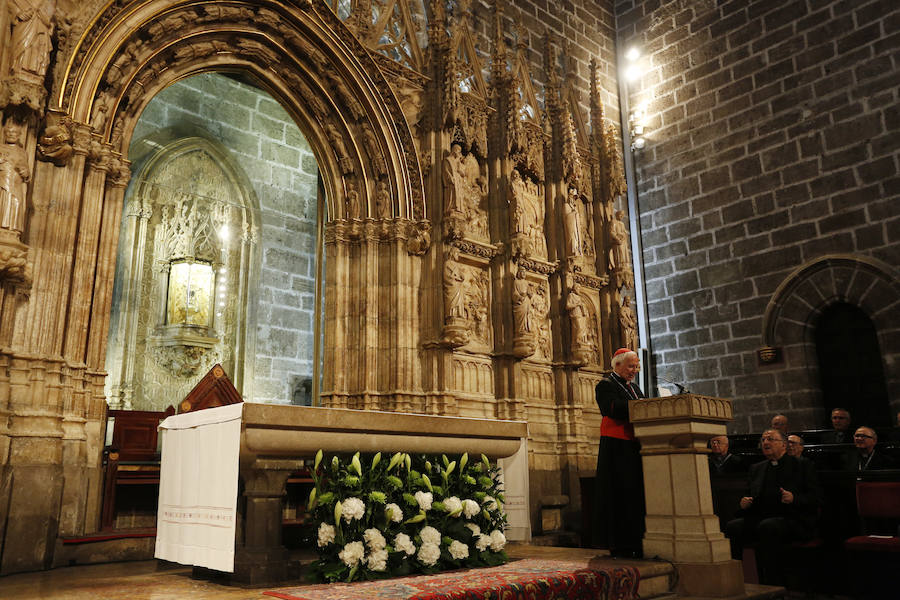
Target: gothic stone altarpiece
point(474, 265)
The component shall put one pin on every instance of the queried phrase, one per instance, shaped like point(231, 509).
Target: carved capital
point(25, 94)
point(419, 237)
point(14, 265)
point(55, 143)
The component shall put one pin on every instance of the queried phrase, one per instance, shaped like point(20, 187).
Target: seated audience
point(841, 431)
point(795, 446)
point(780, 422)
point(865, 457)
point(781, 508)
point(721, 461)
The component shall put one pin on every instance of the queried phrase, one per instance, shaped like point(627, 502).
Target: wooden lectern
point(215, 389)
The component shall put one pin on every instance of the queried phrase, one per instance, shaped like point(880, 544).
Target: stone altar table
point(273, 441)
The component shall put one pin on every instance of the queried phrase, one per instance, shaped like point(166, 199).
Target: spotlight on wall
point(633, 54)
point(636, 128)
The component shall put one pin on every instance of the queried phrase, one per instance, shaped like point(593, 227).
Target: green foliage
point(388, 506)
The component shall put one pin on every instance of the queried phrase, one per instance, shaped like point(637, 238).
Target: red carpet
point(529, 579)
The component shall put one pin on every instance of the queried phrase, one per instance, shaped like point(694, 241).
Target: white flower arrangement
point(374, 539)
point(393, 513)
point(482, 542)
point(424, 499)
point(470, 508)
point(375, 518)
point(429, 554)
point(404, 544)
point(377, 560)
point(352, 554)
point(353, 508)
point(498, 540)
point(326, 534)
point(458, 550)
point(453, 506)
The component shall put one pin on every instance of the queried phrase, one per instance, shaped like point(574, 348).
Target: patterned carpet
point(529, 579)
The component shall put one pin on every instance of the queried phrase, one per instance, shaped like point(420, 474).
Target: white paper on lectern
point(198, 485)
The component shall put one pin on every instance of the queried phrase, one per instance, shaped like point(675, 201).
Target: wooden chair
point(132, 457)
point(875, 555)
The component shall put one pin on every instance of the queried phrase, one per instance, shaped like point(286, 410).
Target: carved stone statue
point(30, 43)
point(518, 204)
point(578, 317)
point(628, 321)
point(524, 339)
point(14, 177)
point(382, 200)
point(351, 200)
point(454, 280)
point(572, 222)
point(541, 306)
point(619, 256)
point(337, 143)
point(456, 330)
point(454, 179)
point(522, 303)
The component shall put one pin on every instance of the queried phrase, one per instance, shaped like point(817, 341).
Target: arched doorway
point(850, 364)
point(219, 249)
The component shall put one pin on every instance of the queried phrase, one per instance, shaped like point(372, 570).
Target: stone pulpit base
point(681, 524)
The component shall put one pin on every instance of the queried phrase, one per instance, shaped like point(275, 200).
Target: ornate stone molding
point(539, 266)
point(680, 407)
point(480, 249)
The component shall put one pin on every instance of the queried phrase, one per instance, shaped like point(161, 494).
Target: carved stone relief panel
point(467, 301)
point(472, 375)
point(526, 214)
point(465, 192)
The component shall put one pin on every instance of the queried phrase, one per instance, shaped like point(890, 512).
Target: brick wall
point(280, 166)
point(772, 144)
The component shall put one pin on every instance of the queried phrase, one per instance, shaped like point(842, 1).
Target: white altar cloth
point(198, 486)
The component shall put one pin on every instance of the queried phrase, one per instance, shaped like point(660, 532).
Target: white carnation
point(352, 553)
point(475, 529)
point(430, 535)
point(377, 560)
point(452, 504)
point(353, 508)
point(498, 540)
point(403, 543)
point(429, 554)
point(424, 499)
point(482, 542)
point(374, 539)
point(458, 550)
point(470, 508)
point(393, 512)
point(326, 534)
point(491, 502)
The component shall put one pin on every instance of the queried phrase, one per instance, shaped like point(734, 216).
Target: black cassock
point(619, 520)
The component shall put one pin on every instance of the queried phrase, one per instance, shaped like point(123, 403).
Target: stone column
point(681, 525)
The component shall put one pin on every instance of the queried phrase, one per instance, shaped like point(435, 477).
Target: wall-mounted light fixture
point(636, 123)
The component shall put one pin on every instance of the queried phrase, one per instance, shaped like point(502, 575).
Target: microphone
point(681, 389)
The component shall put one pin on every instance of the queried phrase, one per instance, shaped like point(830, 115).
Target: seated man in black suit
point(721, 461)
point(841, 432)
point(865, 457)
point(781, 507)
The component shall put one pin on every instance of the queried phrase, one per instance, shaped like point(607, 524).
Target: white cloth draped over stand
point(198, 486)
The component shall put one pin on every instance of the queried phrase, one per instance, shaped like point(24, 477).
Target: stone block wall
point(282, 171)
point(772, 145)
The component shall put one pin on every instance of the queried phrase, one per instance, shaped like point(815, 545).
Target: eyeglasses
point(863, 435)
point(770, 438)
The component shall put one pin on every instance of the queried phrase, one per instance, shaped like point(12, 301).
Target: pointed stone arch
point(299, 52)
point(796, 305)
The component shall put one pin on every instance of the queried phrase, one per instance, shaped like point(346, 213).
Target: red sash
point(615, 428)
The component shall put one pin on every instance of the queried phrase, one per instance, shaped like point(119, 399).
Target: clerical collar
point(774, 463)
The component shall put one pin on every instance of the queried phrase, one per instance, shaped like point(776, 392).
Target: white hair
point(620, 358)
